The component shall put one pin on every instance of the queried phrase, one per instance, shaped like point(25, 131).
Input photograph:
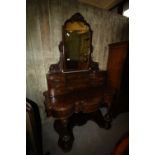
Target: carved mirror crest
point(76, 46)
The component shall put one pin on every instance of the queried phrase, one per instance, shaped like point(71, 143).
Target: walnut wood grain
point(86, 101)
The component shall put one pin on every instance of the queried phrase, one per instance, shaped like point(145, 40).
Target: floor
point(89, 138)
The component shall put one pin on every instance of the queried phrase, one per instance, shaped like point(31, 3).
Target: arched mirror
point(75, 47)
point(77, 43)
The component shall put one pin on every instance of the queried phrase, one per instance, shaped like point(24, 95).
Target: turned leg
point(66, 137)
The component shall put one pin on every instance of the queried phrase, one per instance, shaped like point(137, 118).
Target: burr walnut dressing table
point(76, 86)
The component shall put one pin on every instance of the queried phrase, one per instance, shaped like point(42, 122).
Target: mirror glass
point(77, 37)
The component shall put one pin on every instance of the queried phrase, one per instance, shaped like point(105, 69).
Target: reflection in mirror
point(77, 45)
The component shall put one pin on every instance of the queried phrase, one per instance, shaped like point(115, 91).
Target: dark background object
point(122, 147)
point(118, 75)
point(116, 62)
point(33, 129)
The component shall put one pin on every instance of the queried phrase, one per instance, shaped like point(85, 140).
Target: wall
point(44, 23)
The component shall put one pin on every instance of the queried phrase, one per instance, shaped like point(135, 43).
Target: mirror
point(77, 43)
point(75, 47)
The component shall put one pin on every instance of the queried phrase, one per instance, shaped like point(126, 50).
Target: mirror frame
point(61, 65)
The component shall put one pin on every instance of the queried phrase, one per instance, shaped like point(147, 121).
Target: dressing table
point(77, 88)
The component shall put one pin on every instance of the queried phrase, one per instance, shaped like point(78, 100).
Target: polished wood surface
point(64, 83)
point(74, 92)
point(86, 100)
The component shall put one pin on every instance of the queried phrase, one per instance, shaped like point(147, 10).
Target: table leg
point(66, 137)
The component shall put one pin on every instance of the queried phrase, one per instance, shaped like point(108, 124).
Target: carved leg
point(98, 118)
point(78, 119)
point(66, 137)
